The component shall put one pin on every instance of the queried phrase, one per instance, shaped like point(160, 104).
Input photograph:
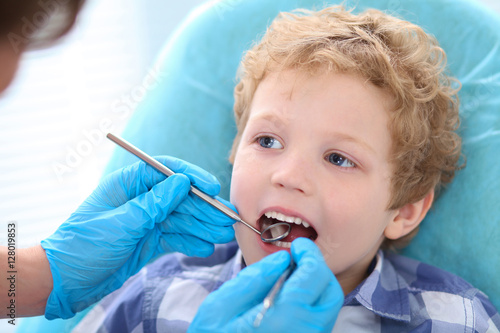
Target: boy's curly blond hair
point(392, 54)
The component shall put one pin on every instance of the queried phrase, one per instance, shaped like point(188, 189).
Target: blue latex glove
point(134, 215)
point(309, 302)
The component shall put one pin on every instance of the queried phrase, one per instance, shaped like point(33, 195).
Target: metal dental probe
point(271, 296)
point(208, 199)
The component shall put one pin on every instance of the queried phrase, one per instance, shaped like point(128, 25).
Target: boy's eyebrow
point(350, 138)
point(268, 116)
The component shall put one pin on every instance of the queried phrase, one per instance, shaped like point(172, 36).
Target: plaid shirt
point(400, 295)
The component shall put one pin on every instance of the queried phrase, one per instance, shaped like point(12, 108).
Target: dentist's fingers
point(309, 301)
point(311, 277)
point(244, 292)
point(138, 178)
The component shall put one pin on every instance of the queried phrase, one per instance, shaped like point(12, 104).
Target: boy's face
point(316, 148)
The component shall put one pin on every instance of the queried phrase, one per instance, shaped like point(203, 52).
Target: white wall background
point(51, 144)
point(493, 4)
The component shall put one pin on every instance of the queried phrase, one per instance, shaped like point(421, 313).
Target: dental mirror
point(273, 233)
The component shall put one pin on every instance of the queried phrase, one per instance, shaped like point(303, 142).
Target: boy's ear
point(408, 217)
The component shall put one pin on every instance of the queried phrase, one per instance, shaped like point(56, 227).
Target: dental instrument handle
point(271, 296)
point(220, 206)
point(167, 172)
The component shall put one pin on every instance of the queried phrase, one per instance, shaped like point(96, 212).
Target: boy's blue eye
point(269, 142)
point(340, 161)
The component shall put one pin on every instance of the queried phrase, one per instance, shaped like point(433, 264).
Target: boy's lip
point(271, 247)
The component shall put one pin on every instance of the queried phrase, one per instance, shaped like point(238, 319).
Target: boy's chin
point(252, 259)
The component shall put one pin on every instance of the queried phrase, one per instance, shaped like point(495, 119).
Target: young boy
point(345, 130)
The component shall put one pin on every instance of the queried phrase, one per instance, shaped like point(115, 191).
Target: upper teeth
point(284, 218)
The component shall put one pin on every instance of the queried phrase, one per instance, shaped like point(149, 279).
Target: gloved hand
point(134, 215)
point(310, 300)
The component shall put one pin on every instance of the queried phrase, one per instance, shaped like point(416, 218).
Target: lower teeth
point(283, 244)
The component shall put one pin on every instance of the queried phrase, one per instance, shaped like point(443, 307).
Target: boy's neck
point(357, 274)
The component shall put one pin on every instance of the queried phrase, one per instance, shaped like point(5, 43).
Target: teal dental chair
point(188, 114)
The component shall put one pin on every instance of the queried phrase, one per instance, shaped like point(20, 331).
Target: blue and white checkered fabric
point(400, 295)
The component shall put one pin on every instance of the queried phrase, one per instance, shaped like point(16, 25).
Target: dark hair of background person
point(37, 23)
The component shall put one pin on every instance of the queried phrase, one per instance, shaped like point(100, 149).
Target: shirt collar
point(238, 264)
point(384, 292)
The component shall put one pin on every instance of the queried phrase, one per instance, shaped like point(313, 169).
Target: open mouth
point(299, 228)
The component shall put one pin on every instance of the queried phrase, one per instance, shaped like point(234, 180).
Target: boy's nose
point(293, 173)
